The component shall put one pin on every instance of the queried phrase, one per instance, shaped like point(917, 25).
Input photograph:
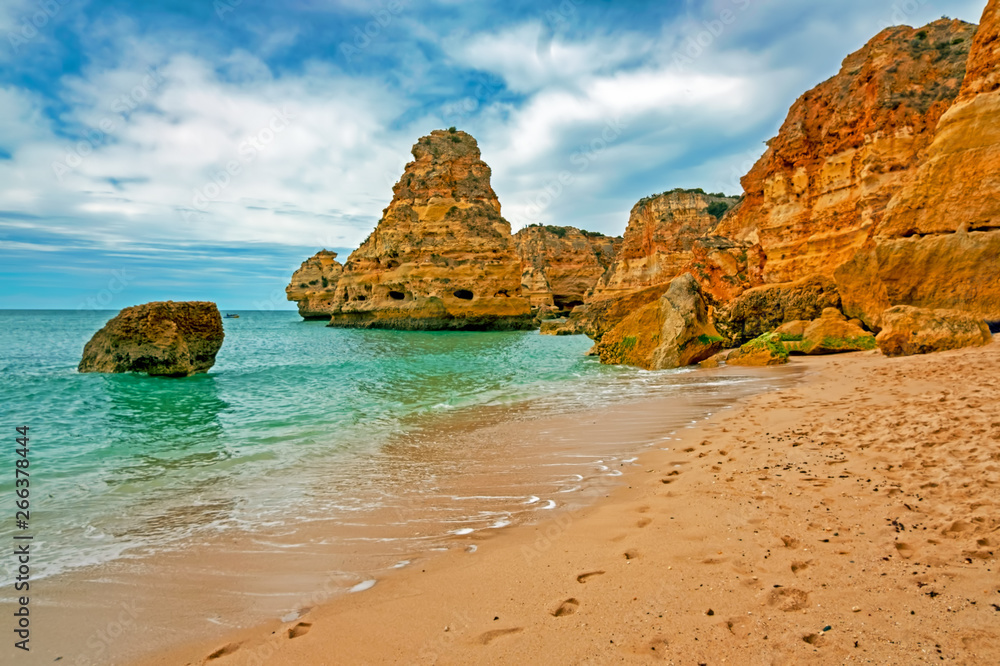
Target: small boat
point(232, 316)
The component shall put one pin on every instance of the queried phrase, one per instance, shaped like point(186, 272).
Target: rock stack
point(441, 257)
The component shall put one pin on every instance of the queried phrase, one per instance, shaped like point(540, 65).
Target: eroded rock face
point(939, 242)
point(560, 265)
point(314, 285)
point(660, 240)
point(160, 338)
point(671, 332)
point(596, 318)
point(765, 308)
point(847, 146)
point(908, 330)
point(441, 257)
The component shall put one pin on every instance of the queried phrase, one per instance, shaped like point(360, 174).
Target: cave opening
point(464, 294)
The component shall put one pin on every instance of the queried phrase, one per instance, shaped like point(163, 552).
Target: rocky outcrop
point(660, 240)
point(671, 332)
point(441, 257)
point(831, 334)
point(162, 338)
point(725, 268)
point(560, 265)
point(314, 285)
point(765, 308)
point(596, 318)
point(765, 350)
point(847, 146)
point(939, 242)
point(908, 330)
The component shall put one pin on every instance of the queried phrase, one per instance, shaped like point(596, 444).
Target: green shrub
point(717, 209)
point(452, 129)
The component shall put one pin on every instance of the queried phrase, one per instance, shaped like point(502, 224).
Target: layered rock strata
point(173, 339)
point(847, 146)
point(661, 238)
point(442, 256)
point(560, 265)
point(939, 243)
point(313, 286)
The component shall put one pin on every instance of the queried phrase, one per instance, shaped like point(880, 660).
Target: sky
point(201, 149)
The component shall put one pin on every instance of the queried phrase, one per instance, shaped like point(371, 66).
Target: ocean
point(299, 425)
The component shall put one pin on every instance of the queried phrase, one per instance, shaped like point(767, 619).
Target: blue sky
point(202, 149)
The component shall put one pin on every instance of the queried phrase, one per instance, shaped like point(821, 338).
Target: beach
point(851, 517)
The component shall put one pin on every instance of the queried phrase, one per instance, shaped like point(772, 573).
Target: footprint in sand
point(301, 629)
point(631, 554)
point(643, 522)
point(229, 648)
point(905, 550)
point(584, 577)
point(490, 636)
point(799, 566)
point(567, 607)
point(788, 599)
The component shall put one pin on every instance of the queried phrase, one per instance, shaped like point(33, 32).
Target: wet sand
point(450, 482)
point(853, 517)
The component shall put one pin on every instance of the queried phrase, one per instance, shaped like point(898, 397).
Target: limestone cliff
point(846, 147)
point(659, 240)
point(939, 243)
point(441, 257)
point(314, 285)
point(560, 265)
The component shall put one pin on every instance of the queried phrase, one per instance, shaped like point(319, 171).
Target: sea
point(299, 425)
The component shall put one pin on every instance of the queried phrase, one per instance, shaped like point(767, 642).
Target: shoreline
point(850, 517)
point(451, 481)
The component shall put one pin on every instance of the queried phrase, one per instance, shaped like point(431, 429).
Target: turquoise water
point(121, 464)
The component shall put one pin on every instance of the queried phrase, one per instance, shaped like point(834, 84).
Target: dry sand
point(853, 518)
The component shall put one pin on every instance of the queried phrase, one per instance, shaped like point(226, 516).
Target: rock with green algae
point(767, 349)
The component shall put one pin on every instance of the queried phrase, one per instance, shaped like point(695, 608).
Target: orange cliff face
point(560, 265)
point(846, 147)
point(660, 240)
point(939, 244)
point(314, 285)
point(441, 257)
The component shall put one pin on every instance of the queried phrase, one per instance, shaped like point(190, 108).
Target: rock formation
point(441, 257)
point(832, 334)
point(939, 242)
point(908, 330)
point(671, 332)
point(560, 265)
point(847, 146)
point(314, 285)
point(162, 338)
point(596, 318)
point(767, 349)
point(765, 308)
point(660, 239)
